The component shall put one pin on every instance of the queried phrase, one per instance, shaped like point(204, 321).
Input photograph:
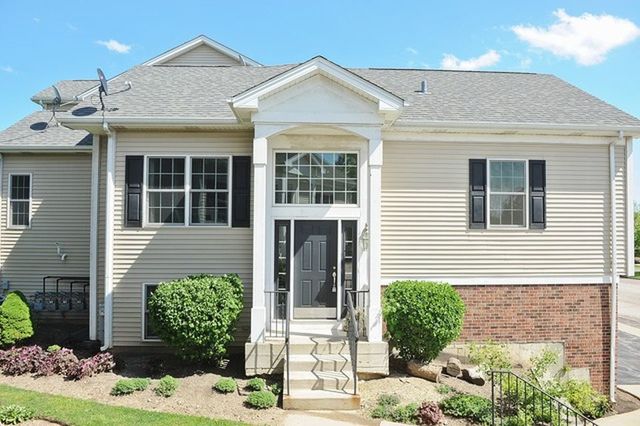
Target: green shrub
point(540, 365)
point(422, 317)
point(167, 386)
point(582, 397)
point(225, 385)
point(256, 384)
point(129, 386)
point(15, 319)
point(388, 399)
point(405, 413)
point(261, 399)
point(54, 348)
point(276, 389)
point(471, 407)
point(197, 315)
point(490, 356)
point(443, 389)
point(14, 414)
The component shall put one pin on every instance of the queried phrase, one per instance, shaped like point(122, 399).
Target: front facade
point(316, 183)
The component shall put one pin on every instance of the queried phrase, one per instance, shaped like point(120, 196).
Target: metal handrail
point(280, 308)
point(504, 406)
point(354, 336)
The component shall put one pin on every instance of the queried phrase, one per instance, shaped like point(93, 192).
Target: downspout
point(614, 267)
point(93, 239)
point(108, 237)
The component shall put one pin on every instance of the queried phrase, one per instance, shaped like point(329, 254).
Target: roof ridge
point(445, 70)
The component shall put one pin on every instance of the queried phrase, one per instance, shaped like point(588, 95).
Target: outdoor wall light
point(364, 236)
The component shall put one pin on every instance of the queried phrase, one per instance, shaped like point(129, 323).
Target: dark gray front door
point(315, 274)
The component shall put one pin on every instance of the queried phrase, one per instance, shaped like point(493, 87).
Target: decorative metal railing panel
point(516, 401)
point(279, 323)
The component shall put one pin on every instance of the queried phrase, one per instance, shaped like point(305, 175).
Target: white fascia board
point(95, 125)
point(46, 149)
point(387, 101)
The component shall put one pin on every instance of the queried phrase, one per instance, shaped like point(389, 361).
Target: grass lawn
point(73, 411)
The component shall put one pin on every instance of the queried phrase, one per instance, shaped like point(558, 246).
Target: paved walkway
point(628, 419)
point(629, 332)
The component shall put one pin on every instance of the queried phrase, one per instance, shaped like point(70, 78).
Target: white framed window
point(147, 330)
point(188, 190)
point(19, 200)
point(310, 178)
point(507, 193)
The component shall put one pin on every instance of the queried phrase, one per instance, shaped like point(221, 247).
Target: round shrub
point(256, 384)
point(167, 386)
point(225, 385)
point(422, 317)
point(197, 315)
point(129, 386)
point(261, 399)
point(15, 319)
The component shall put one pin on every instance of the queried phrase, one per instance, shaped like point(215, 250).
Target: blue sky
point(592, 44)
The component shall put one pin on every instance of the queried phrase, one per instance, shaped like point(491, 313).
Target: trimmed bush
point(261, 399)
point(14, 414)
point(256, 384)
point(167, 386)
point(129, 386)
point(197, 315)
point(225, 385)
point(15, 319)
point(422, 317)
point(471, 407)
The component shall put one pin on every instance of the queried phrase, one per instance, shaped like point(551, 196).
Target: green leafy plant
point(198, 314)
point(261, 399)
point(129, 386)
point(167, 386)
point(15, 319)
point(443, 389)
point(422, 317)
point(389, 399)
point(582, 397)
point(225, 385)
point(54, 348)
point(490, 356)
point(256, 384)
point(405, 413)
point(540, 365)
point(471, 407)
point(14, 414)
point(389, 408)
point(276, 388)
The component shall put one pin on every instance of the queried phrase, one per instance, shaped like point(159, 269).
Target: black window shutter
point(133, 175)
point(477, 194)
point(241, 192)
point(537, 190)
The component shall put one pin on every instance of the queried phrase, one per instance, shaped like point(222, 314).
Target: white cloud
point(411, 50)
point(525, 63)
point(115, 46)
point(586, 38)
point(36, 20)
point(451, 62)
point(7, 68)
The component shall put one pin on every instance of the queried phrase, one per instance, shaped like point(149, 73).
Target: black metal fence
point(278, 322)
point(353, 334)
point(516, 401)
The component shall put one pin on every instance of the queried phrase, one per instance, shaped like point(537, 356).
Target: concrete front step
point(320, 347)
point(320, 400)
point(320, 362)
point(320, 380)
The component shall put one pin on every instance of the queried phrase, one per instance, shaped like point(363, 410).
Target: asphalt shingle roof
point(39, 130)
point(67, 88)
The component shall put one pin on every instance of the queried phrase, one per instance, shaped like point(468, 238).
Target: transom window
point(316, 178)
point(20, 200)
point(201, 183)
point(507, 192)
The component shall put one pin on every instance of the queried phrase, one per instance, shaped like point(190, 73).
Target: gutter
point(108, 237)
point(614, 267)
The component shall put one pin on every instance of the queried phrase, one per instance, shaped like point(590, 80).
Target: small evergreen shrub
point(129, 386)
point(15, 319)
point(390, 400)
point(14, 414)
point(422, 317)
point(256, 384)
point(429, 414)
point(261, 399)
point(198, 314)
point(471, 407)
point(167, 386)
point(443, 389)
point(388, 408)
point(490, 356)
point(225, 385)
point(582, 397)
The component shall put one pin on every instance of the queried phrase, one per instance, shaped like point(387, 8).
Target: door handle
point(334, 275)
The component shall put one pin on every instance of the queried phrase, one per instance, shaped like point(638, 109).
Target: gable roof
point(196, 43)
point(68, 90)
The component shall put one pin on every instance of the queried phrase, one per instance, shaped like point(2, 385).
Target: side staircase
point(320, 375)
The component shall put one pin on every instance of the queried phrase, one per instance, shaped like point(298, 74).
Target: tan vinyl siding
point(425, 213)
point(61, 185)
point(202, 55)
point(156, 254)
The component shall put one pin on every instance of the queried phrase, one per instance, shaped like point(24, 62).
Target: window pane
point(507, 185)
point(209, 207)
point(166, 207)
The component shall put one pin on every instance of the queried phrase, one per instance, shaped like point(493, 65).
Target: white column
point(375, 239)
point(108, 241)
point(258, 308)
point(93, 239)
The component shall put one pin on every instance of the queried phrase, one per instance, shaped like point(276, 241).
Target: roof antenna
point(103, 86)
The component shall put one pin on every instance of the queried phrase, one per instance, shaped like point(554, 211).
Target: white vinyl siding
point(203, 55)
point(60, 210)
point(161, 253)
point(425, 206)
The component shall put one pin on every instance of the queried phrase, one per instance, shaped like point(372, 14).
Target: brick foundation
point(576, 315)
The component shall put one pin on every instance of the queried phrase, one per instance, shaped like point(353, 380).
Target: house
point(316, 182)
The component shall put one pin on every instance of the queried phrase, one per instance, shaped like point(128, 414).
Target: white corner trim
point(630, 208)
point(93, 239)
point(547, 280)
point(108, 238)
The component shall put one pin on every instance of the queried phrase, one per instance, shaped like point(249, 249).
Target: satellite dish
point(57, 99)
point(103, 82)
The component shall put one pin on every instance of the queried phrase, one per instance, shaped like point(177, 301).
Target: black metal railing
point(279, 323)
point(360, 302)
point(515, 400)
point(353, 334)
